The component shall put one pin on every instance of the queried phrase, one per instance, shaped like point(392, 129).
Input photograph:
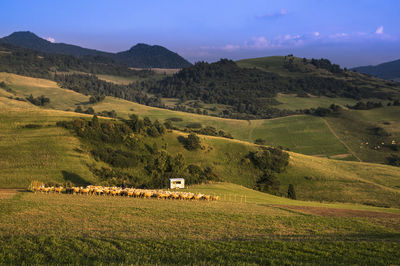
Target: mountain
point(29, 40)
point(139, 56)
point(147, 56)
point(388, 70)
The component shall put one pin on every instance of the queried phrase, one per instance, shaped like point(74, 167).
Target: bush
point(394, 160)
point(291, 192)
point(39, 101)
point(194, 125)
point(192, 142)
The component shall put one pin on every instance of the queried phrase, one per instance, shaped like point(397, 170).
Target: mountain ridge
point(139, 56)
point(387, 70)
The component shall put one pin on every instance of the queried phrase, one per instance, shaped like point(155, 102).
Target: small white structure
point(176, 183)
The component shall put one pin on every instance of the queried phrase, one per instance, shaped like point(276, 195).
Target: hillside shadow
point(74, 178)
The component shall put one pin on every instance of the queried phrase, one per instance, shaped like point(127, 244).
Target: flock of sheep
point(128, 192)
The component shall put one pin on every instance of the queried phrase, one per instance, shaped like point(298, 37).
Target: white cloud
point(316, 34)
point(50, 39)
point(379, 30)
point(230, 47)
point(260, 42)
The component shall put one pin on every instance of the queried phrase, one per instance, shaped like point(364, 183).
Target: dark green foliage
point(269, 158)
point(160, 127)
point(111, 113)
point(378, 131)
point(96, 98)
point(268, 182)
point(291, 192)
point(147, 56)
point(192, 142)
point(260, 141)
point(174, 119)
point(210, 131)
point(322, 111)
point(116, 158)
point(127, 148)
point(194, 125)
point(3, 85)
point(249, 91)
point(32, 126)
point(197, 175)
point(269, 161)
point(394, 160)
point(90, 84)
point(37, 64)
point(327, 65)
point(225, 83)
point(366, 106)
point(39, 101)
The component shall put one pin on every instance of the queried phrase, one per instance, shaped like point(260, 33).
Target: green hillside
point(293, 132)
point(328, 136)
point(62, 157)
point(339, 202)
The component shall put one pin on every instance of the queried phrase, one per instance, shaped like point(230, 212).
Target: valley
point(302, 154)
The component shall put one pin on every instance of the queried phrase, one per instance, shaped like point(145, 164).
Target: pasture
point(47, 153)
point(293, 132)
point(52, 228)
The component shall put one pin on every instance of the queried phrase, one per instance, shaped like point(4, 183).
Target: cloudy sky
point(348, 32)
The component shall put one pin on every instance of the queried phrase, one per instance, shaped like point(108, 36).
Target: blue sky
point(348, 32)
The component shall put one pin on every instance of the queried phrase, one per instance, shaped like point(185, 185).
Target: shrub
point(291, 192)
point(194, 125)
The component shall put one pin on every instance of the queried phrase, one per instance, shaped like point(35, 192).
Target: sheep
point(129, 192)
point(58, 190)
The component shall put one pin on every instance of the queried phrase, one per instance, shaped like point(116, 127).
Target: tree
point(291, 192)
point(95, 122)
point(268, 182)
point(193, 142)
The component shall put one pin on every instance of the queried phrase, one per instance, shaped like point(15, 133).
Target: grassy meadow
point(41, 228)
point(347, 213)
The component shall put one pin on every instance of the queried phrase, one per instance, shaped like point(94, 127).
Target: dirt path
point(7, 193)
point(341, 141)
point(335, 212)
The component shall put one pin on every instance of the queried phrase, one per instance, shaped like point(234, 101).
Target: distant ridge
point(147, 56)
point(389, 70)
point(139, 56)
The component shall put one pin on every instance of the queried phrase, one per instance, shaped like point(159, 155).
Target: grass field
point(348, 212)
point(40, 229)
point(354, 128)
point(46, 153)
point(62, 157)
point(293, 132)
point(292, 102)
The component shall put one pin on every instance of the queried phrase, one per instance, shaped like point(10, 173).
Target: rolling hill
point(388, 70)
point(339, 203)
point(330, 180)
point(139, 56)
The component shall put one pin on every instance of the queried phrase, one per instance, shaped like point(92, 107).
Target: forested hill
point(22, 61)
point(139, 56)
point(147, 56)
point(251, 90)
point(29, 40)
point(388, 70)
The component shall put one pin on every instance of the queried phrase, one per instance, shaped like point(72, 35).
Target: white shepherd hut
point(176, 183)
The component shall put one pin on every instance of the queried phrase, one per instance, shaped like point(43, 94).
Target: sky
point(348, 32)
